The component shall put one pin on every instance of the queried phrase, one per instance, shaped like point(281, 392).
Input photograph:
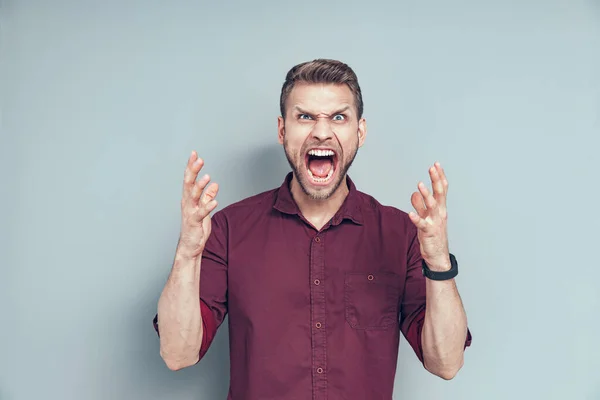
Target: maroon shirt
point(312, 314)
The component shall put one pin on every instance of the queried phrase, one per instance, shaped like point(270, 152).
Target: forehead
point(320, 97)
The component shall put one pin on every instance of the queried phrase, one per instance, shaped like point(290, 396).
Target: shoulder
point(373, 206)
point(389, 217)
point(253, 205)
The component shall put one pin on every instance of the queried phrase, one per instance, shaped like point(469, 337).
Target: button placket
point(318, 317)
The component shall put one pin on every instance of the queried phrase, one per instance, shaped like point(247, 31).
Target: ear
point(280, 129)
point(362, 131)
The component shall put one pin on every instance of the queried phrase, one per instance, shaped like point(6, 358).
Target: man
point(318, 278)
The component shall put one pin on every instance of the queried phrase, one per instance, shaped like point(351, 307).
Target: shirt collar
point(350, 209)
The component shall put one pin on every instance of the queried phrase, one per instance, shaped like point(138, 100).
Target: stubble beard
point(298, 170)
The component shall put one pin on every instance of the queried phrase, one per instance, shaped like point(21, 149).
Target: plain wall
point(103, 101)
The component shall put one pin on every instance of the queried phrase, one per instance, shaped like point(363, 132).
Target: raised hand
point(197, 202)
point(431, 219)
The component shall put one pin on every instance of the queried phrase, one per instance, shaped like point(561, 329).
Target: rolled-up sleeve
point(412, 308)
point(213, 283)
point(213, 280)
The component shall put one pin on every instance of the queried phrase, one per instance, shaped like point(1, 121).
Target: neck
point(318, 212)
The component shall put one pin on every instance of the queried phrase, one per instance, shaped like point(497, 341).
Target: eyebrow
point(301, 111)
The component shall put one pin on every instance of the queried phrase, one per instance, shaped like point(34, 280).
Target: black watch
point(442, 275)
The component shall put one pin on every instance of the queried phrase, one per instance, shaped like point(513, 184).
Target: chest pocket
point(371, 299)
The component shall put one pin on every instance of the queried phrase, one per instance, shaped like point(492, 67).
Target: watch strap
point(441, 275)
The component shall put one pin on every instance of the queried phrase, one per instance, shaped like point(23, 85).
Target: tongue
point(320, 167)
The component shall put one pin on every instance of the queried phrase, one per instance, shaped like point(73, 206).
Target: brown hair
point(322, 71)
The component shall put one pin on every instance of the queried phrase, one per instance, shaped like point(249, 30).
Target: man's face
point(321, 135)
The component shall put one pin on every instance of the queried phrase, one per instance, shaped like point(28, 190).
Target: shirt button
point(319, 370)
point(317, 282)
point(318, 325)
point(370, 277)
point(317, 239)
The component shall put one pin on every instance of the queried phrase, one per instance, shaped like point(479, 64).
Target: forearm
point(444, 330)
point(179, 319)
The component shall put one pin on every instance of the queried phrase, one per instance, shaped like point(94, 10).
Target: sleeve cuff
point(415, 329)
point(155, 323)
point(413, 335)
point(469, 338)
point(209, 328)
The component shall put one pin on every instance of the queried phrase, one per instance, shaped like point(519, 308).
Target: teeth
point(329, 175)
point(321, 153)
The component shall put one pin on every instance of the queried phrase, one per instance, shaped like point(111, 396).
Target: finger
point(430, 202)
point(442, 175)
point(419, 222)
point(210, 193)
point(193, 157)
point(194, 166)
point(436, 182)
point(417, 201)
point(439, 191)
point(207, 209)
point(198, 188)
point(208, 201)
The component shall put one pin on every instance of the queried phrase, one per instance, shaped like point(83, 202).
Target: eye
point(339, 117)
point(304, 116)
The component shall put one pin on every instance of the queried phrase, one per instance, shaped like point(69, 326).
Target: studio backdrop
point(103, 101)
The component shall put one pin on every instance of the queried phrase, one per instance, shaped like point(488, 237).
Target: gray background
point(103, 101)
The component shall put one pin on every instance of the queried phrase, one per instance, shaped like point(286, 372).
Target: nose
point(322, 129)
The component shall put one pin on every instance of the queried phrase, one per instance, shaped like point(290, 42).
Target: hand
point(195, 209)
point(431, 218)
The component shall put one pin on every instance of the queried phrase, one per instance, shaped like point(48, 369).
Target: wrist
point(441, 264)
point(189, 248)
point(185, 255)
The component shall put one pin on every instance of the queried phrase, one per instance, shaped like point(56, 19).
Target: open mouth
point(321, 165)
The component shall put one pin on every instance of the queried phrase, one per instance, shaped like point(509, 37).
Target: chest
point(282, 267)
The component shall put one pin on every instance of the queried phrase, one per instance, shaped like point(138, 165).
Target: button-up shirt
point(313, 314)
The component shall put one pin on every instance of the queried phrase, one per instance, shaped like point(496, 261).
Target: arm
point(443, 333)
point(444, 328)
point(180, 322)
point(179, 317)
point(429, 320)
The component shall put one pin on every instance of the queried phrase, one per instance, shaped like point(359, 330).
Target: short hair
point(322, 71)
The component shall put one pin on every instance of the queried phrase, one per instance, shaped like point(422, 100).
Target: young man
point(318, 278)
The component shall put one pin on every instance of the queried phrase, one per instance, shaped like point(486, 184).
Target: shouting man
point(318, 278)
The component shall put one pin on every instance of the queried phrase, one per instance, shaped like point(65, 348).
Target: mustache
point(328, 145)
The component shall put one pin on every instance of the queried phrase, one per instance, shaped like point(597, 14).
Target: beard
point(298, 166)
